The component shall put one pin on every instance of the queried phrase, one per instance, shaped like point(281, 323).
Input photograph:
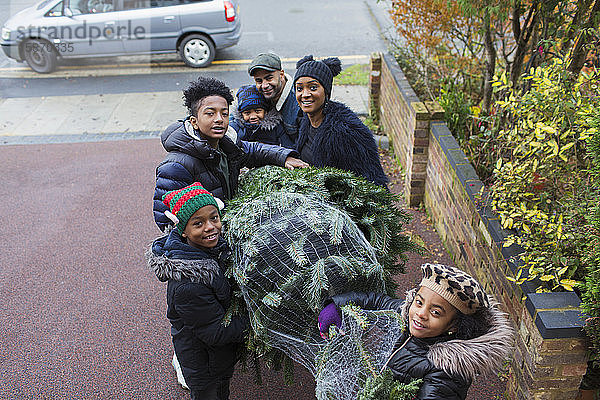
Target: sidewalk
point(60, 119)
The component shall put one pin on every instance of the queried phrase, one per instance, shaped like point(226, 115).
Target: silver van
point(55, 29)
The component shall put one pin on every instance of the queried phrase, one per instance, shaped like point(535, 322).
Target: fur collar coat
point(446, 364)
point(342, 141)
point(198, 296)
point(269, 130)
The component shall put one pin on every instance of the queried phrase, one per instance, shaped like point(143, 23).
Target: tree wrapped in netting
point(371, 207)
point(291, 251)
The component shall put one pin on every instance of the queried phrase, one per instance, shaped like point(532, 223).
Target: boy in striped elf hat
point(191, 260)
point(198, 224)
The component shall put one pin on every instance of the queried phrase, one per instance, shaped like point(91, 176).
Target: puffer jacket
point(446, 364)
point(342, 141)
point(269, 130)
point(198, 295)
point(191, 159)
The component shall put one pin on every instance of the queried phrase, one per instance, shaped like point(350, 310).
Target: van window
point(91, 6)
point(56, 11)
point(166, 3)
point(135, 4)
point(43, 4)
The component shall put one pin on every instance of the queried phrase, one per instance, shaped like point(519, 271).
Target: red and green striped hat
point(184, 202)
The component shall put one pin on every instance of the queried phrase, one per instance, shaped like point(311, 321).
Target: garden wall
point(550, 350)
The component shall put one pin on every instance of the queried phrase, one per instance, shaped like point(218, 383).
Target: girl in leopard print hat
point(454, 331)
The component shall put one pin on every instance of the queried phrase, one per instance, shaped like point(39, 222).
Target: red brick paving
point(82, 318)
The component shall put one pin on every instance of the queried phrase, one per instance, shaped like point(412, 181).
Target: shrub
point(541, 180)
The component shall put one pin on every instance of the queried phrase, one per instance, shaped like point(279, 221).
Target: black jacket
point(191, 159)
point(198, 295)
point(269, 130)
point(342, 141)
point(446, 364)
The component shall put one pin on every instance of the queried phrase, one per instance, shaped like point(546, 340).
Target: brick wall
point(550, 350)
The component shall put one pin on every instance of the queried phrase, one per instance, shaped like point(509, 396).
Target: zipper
point(394, 353)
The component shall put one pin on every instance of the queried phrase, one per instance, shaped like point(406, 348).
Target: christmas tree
point(299, 237)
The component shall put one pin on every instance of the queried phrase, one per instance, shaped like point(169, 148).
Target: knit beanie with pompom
point(323, 71)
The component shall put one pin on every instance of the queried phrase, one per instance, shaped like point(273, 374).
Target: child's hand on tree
point(327, 317)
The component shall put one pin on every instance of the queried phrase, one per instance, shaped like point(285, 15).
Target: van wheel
point(40, 55)
point(197, 51)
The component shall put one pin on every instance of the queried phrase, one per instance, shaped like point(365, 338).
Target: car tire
point(40, 55)
point(197, 51)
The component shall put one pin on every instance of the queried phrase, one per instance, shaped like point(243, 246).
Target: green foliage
point(591, 257)
point(457, 110)
point(384, 387)
point(370, 206)
point(541, 175)
point(357, 74)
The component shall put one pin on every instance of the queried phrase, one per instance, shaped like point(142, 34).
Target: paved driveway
point(82, 317)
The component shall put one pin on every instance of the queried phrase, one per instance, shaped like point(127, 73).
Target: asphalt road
point(289, 28)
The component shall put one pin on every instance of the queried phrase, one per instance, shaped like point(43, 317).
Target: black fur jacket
point(342, 141)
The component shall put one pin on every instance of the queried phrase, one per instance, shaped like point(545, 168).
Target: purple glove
point(327, 317)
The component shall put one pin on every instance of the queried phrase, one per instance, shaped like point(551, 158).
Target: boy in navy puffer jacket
point(253, 120)
point(202, 149)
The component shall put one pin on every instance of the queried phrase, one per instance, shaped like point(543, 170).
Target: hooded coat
point(446, 364)
point(342, 141)
point(269, 130)
point(191, 159)
point(198, 295)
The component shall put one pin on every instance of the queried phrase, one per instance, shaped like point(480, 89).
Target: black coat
point(193, 160)
point(269, 130)
point(446, 364)
point(342, 141)
point(198, 295)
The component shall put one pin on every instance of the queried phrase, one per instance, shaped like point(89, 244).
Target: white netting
point(291, 252)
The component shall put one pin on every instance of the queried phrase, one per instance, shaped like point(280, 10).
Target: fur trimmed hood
point(176, 265)
point(269, 122)
point(482, 355)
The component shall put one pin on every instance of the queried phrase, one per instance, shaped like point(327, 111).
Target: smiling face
point(430, 314)
point(310, 95)
point(269, 83)
point(253, 115)
point(203, 228)
point(211, 119)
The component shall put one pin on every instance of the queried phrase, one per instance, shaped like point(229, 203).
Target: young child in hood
point(453, 331)
point(191, 260)
point(254, 120)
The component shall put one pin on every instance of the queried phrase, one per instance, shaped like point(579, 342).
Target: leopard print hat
point(458, 288)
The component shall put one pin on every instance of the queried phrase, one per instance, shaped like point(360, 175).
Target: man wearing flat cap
point(277, 87)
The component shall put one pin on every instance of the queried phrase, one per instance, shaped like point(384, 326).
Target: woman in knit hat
point(330, 134)
point(453, 331)
point(191, 260)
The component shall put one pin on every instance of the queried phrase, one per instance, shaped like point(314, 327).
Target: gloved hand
point(327, 317)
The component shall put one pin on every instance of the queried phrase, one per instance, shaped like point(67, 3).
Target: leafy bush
point(541, 184)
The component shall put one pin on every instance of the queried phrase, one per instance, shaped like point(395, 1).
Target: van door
point(152, 25)
point(90, 30)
